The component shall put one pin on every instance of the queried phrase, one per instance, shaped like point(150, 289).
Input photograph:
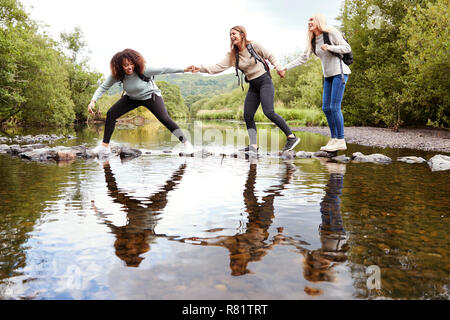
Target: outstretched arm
point(108, 83)
point(223, 65)
point(299, 61)
point(153, 71)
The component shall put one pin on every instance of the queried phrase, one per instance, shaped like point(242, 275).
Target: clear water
point(170, 227)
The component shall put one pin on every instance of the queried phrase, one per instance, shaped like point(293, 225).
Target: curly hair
point(117, 60)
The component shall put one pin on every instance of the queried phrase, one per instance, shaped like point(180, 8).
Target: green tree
point(14, 24)
point(82, 81)
point(426, 37)
point(173, 99)
point(385, 86)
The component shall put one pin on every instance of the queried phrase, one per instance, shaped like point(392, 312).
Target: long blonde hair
point(321, 22)
point(243, 34)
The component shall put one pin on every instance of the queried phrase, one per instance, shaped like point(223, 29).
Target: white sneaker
point(101, 150)
point(330, 142)
point(188, 148)
point(338, 145)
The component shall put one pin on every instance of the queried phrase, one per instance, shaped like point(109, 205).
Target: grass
point(306, 117)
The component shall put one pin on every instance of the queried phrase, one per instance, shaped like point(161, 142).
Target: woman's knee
point(110, 115)
point(270, 114)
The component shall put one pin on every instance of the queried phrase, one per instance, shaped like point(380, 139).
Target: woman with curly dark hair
point(130, 68)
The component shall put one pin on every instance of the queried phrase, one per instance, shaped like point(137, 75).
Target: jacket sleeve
point(218, 67)
point(265, 54)
point(300, 60)
point(152, 71)
point(108, 83)
point(339, 44)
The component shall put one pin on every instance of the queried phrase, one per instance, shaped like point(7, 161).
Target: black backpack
point(257, 58)
point(347, 58)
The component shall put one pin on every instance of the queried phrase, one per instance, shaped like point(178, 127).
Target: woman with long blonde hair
point(334, 71)
point(244, 56)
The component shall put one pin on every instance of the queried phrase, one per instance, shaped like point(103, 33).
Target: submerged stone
point(288, 155)
point(126, 152)
point(412, 159)
point(325, 154)
point(304, 154)
point(342, 159)
point(374, 158)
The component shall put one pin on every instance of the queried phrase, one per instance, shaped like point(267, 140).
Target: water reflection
point(135, 237)
point(253, 244)
point(319, 263)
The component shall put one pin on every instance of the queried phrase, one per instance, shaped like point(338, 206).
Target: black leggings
point(154, 104)
point(262, 91)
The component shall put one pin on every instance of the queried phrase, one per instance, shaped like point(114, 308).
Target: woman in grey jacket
point(335, 78)
point(129, 67)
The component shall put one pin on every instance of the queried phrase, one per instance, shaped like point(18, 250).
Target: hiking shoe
point(250, 149)
point(330, 143)
point(189, 149)
point(101, 151)
point(291, 143)
point(338, 145)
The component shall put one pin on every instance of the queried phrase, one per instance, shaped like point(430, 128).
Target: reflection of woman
point(261, 86)
point(252, 245)
point(130, 68)
point(319, 263)
point(135, 237)
point(335, 77)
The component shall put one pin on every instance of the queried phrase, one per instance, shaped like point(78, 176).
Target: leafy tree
point(82, 81)
point(387, 86)
point(426, 38)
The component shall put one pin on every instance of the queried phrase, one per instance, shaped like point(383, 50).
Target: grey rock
point(374, 158)
point(412, 159)
point(34, 146)
point(15, 149)
point(4, 148)
point(129, 153)
point(439, 163)
point(342, 159)
point(185, 154)
point(288, 155)
point(324, 154)
point(304, 154)
point(38, 155)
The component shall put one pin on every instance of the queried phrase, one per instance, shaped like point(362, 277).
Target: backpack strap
point(240, 82)
point(253, 53)
point(326, 39)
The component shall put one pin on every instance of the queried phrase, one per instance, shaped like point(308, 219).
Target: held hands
point(282, 73)
point(192, 69)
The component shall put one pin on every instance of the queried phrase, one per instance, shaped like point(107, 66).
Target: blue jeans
point(333, 92)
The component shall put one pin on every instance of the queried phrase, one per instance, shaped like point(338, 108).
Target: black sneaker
point(291, 143)
point(249, 148)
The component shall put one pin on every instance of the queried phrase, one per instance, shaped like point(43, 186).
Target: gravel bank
point(420, 139)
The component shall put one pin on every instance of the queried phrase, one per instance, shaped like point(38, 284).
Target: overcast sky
point(179, 33)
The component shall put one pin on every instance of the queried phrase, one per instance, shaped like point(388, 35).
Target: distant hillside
point(197, 84)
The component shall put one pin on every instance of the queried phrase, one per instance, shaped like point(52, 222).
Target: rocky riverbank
point(437, 140)
point(43, 153)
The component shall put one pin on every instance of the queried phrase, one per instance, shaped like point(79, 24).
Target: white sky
point(179, 33)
